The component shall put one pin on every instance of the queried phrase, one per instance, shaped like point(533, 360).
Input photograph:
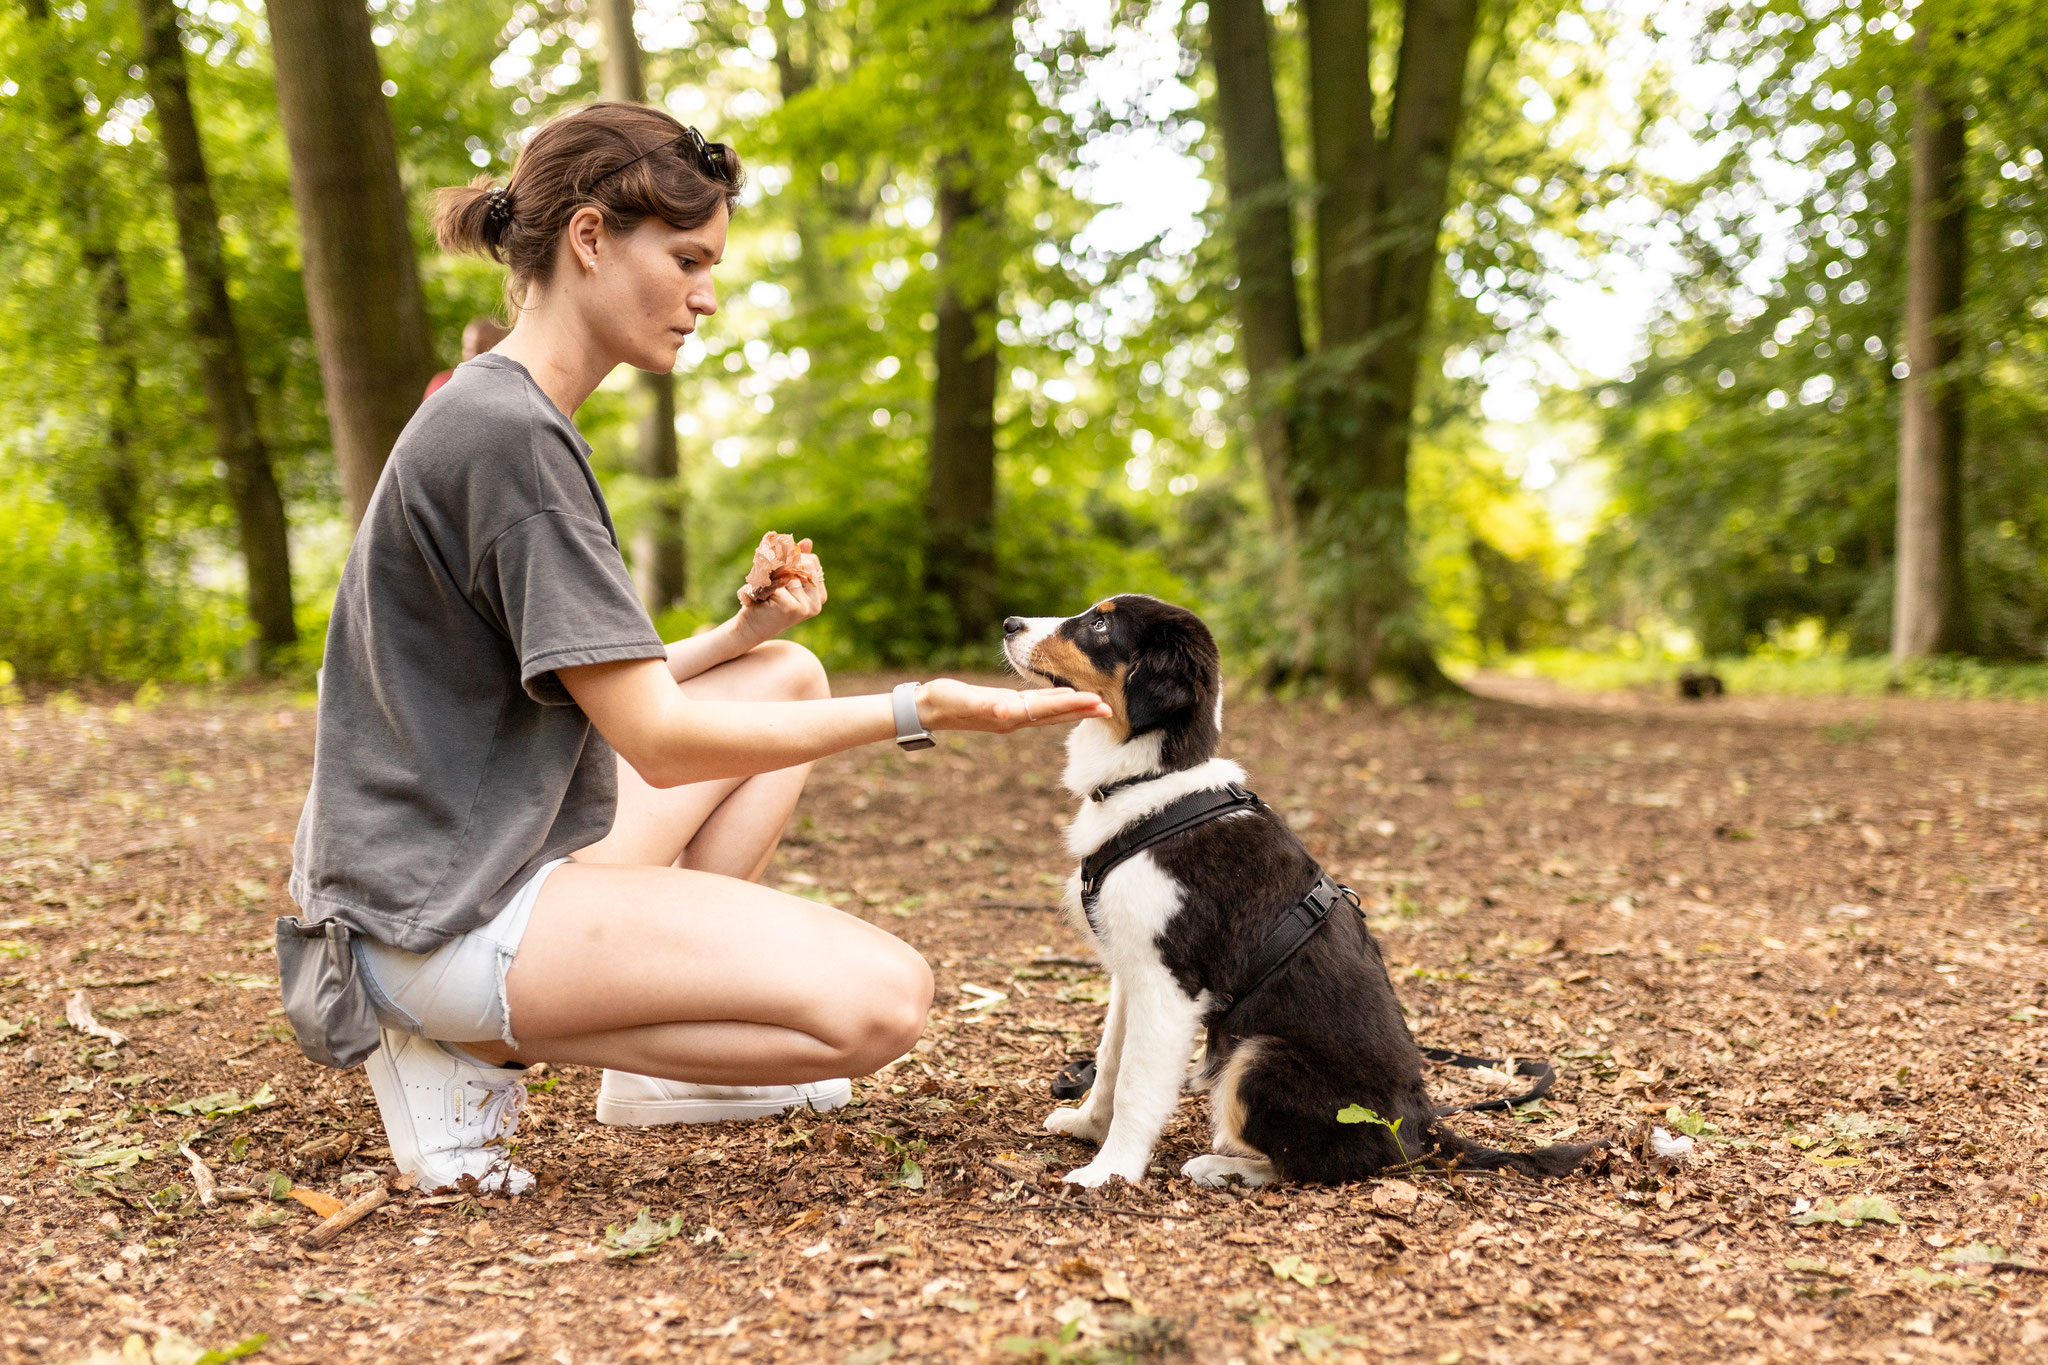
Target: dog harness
point(1286, 938)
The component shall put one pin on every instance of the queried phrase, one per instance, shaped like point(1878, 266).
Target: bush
point(71, 612)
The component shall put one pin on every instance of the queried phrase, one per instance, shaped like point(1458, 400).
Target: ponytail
point(471, 219)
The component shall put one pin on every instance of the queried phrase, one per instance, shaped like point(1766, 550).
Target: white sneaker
point(447, 1116)
point(636, 1101)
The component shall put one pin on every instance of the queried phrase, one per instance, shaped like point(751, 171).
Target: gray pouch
point(324, 995)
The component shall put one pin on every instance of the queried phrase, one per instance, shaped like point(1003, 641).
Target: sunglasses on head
point(710, 157)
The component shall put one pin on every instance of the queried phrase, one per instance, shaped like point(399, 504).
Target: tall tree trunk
point(1929, 610)
point(251, 484)
point(1262, 234)
point(117, 481)
point(1379, 218)
point(362, 279)
point(960, 499)
point(660, 561)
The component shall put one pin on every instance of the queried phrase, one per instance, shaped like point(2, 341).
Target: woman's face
point(646, 289)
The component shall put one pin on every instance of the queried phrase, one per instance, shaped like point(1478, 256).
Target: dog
point(1312, 1073)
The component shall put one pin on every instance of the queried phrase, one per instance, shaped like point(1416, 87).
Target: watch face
point(916, 742)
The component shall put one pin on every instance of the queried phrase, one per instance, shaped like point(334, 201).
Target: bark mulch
point(1809, 935)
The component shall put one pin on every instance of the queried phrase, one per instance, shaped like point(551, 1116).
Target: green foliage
point(1750, 457)
point(71, 610)
point(1754, 454)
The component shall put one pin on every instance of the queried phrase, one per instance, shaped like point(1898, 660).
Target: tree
point(1756, 453)
point(960, 487)
point(251, 483)
point(117, 480)
point(659, 559)
point(1262, 237)
point(361, 276)
point(1930, 612)
point(1379, 206)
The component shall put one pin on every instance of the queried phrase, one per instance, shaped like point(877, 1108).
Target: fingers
point(1062, 706)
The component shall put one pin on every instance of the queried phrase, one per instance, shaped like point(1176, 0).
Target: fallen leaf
point(1850, 1213)
point(644, 1236)
point(326, 1205)
point(1395, 1198)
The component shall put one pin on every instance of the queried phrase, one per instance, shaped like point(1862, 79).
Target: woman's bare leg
point(692, 976)
point(730, 826)
point(654, 952)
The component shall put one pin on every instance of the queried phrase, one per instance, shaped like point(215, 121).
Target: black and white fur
point(1178, 923)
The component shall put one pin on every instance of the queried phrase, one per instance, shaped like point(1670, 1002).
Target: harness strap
point(1191, 810)
point(1286, 938)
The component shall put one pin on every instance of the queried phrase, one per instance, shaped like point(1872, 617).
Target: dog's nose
point(1013, 625)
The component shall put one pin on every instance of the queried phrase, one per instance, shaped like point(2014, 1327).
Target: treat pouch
point(324, 995)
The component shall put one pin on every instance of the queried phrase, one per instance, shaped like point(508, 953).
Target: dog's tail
point(1272, 1098)
point(1557, 1160)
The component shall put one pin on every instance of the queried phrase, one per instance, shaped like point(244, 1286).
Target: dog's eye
point(1100, 625)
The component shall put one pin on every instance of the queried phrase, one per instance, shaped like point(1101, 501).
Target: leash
point(1286, 938)
point(1077, 1078)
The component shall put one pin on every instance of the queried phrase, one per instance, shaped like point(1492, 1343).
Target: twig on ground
point(341, 1222)
point(78, 1014)
point(202, 1178)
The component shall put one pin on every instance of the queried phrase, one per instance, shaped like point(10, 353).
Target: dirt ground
point(1808, 934)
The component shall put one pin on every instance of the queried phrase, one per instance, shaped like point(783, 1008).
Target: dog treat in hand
point(778, 562)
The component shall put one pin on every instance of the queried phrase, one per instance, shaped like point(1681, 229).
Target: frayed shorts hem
point(456, 993)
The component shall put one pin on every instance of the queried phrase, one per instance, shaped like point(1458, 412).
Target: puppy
point(1183, 923)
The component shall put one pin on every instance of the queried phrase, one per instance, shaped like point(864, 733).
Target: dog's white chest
point(1136, 903)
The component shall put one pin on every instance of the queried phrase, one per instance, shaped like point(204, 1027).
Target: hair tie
point(497, 214)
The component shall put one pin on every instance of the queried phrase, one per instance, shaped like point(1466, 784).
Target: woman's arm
point(671, 740)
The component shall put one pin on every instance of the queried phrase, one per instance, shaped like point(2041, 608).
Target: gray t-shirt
point(450, 762)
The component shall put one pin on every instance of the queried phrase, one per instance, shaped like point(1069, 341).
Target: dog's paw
point(1214, 1170)
point(1097, 1173)
point(1076, 1123)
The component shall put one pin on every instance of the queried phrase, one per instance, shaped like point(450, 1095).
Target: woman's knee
point(889, 1017)
point(794, 673)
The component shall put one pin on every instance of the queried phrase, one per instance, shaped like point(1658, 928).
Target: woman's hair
point(628, 161)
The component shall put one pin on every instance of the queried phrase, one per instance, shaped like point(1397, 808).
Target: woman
point(485, 882)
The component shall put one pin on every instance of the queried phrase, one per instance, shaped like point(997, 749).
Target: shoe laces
point(499, 1115)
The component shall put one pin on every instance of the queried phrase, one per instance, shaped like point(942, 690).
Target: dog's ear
point(1166, 680)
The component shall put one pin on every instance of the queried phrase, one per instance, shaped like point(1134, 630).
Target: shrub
point(71, 611)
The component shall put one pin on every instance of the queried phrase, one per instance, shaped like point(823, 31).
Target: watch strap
point(910, 731)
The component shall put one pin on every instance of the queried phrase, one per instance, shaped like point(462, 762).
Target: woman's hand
point(791, 604)
point(945, 704)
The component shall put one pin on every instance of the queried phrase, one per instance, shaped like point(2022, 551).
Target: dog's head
point(1154, 663)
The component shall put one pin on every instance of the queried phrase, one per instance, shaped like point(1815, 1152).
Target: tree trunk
point(1929, 610)
point(361, 277)
point(252, 486)
point(960, 500)
point(1378, 221)
point(117, 482)
point(1262, 235)
point(660, 562)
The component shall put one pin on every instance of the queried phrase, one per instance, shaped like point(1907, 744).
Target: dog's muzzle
point(1021, 637)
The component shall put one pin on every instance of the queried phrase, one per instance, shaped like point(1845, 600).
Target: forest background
point(1609, 371)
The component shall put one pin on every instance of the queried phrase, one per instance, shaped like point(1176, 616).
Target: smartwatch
point(910, 731)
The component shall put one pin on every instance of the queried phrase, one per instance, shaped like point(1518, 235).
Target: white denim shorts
point(455, 994)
